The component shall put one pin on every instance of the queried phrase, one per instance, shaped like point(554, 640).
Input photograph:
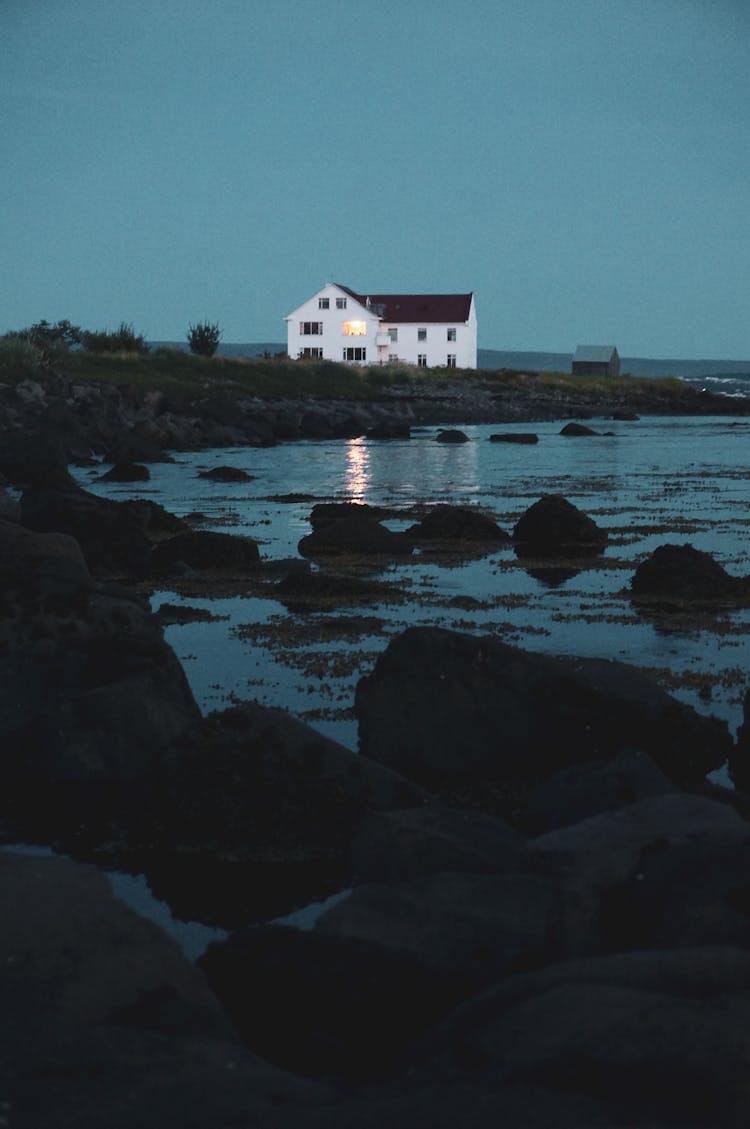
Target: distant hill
point(527, 362)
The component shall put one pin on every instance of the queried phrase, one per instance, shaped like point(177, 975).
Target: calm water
point(653, 481)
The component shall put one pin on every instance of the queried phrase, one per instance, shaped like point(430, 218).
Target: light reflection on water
point(652, 481)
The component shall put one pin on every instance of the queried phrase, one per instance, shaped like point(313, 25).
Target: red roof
point(415, 307)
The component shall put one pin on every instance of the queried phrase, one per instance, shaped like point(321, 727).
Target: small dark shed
point(596, 360)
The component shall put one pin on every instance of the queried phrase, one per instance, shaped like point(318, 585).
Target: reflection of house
point(421, 329)
point(596, 360)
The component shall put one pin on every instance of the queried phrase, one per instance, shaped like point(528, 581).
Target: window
point(421, 335)
point(341, 303)
point(358, 353)
point(451, 335)
point(308, 328)
point(311, 351)
point(392, 357)
point(422, 360)
point(451, 360)
point(324, 303)
point(354, 328)
point(393, 334)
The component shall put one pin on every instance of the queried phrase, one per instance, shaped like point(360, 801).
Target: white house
point(420, 329)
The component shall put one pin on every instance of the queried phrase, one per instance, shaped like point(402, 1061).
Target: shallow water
point(653, 481)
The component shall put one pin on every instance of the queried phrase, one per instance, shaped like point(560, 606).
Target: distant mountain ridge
point(532, 362)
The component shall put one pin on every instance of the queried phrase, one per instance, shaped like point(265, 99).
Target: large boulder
point(106, 1023)
point(675, 574)
point(40, 568)
point(206, 550)
point(126, 472)
point(259, 811)
point(553, 526)
point(113, 541)
point(452, 710)
point(657, 1039)
point(453, 525)
point(355, 536)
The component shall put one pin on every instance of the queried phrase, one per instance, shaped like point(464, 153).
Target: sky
point(583, 166)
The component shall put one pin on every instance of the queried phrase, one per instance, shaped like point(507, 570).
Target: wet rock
point(259, 811)
point(452, 435)
point(137, 446)
point(108, 1024)
point(390, 429)
point(514, 437)
point(677, 573)
point(154, 520)
point(226, 474)
point(126, 472)
point(309, 591)
point(582, 790)
point(325, 1005)
point(451, 524)
point(35, 458)
point(554, 526)
point(643, 1038)
point(625, 415)
point(471, 928)
point(113, 542)
point(40, 568)
point(451, 710)
point(10, 510)
point(204, 549)
point(360, 536)
point(577, 429)
point(326, 513)
point(394, 846)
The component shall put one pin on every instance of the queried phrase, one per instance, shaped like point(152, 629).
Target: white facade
point(430, 330)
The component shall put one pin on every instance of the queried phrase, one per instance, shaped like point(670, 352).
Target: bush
point(123, 340)
point(203, 338)
point(47, 337)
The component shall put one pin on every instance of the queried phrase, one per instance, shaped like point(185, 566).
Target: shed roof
point(600, 353)
point(416, 307)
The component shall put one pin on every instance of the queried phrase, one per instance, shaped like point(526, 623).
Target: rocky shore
point(127, 422)
point(545, 907)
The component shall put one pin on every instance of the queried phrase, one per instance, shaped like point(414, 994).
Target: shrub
point(47, 337)
point(203, 338)
point(123, 340)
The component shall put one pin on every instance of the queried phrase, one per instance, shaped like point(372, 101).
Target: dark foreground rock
point(452, 710)
point(206, 550)
point(675, 574)
point(258, 812)
point(357, 536)
point(106, 1024)
point(553, 526)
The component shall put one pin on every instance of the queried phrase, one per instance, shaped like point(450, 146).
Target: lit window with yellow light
point(354, 328)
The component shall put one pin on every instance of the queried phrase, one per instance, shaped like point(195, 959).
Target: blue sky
point(582, 165)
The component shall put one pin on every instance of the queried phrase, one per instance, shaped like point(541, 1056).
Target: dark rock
point(451, 710)
point(10, 510)
point(577, 429)
point(43, 568)
point(326, 513)
point(514, 437)
point(393, 846)
point(325, 1005)
point(108, 1024)
point(154, 520)
point(471, 928)
point(226, 474)
point(582, 790)
point(204, 549)
point(259, 811)
point(390, 429)
point(656, 1039)
point(554, 526)
point(360, 536)
point(126, 472)
point(137, 446)
point(453, 524)
point(677, 573)
point(452, 435)
point(34, 459)
point(625, 415)
point(112, 540)
point(739, 758)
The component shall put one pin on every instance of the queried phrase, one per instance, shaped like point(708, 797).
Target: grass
point(186, 376)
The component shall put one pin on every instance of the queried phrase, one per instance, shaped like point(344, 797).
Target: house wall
point(375, 340)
